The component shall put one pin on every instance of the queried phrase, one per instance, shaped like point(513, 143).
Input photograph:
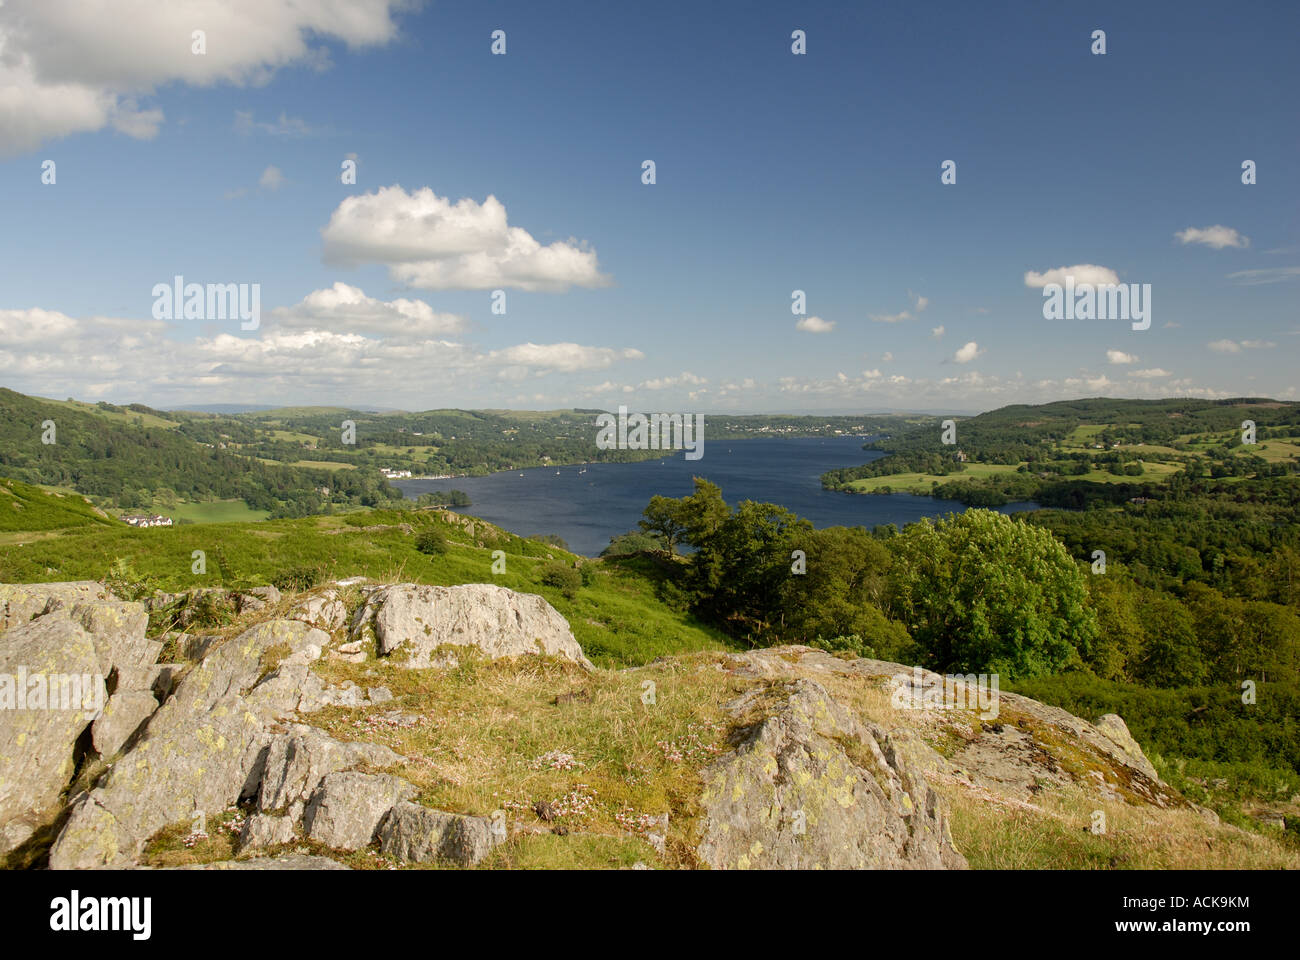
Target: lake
point(588, 504)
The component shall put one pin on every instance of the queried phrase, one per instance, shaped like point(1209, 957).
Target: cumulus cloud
point(1120, 357)
point(427, 241)
point(1216, 237)
point(1151, 373)
point(937, 333)
point(532, 358)
point(967, 353)
point(68, 67)
point(342, 308)
point(1081, 272)
point(336, 345)
point(814, 325)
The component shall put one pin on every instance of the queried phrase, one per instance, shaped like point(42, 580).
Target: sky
point(515, 180)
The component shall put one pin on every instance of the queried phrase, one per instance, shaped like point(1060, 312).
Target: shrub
point(563, 577)
point(295, 579)
point(431, 541)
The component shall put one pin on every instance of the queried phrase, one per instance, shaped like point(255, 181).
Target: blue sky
point(774, 172)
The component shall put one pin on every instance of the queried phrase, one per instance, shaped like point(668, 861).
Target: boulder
point(297, 762)
point(417, 833)
point(262, 830)
point(118, 627)
point(1114, 727)
point(186, 762)
point(348, 807)
point(257, 598)
point(810, 786)
point(415, 621)
point(324, 610)
point(124, 714)
point(237, 665)
point(20, 602)
point(50, 692)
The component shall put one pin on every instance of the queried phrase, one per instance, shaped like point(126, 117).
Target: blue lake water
point(586, 509)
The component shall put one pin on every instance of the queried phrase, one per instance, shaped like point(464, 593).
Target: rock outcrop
point(418, 623)
point(809, 786)
point(51, 690)
point(826, 762)
point(413, 832)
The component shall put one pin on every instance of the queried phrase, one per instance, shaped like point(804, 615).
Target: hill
point(25, 507)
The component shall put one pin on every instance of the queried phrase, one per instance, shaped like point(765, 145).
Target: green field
point(217, 511)
point(616, 617)
point(920, 483)
point(323, 465)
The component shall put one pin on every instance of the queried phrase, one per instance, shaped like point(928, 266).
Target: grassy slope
point(617, 618)
point(24, 507)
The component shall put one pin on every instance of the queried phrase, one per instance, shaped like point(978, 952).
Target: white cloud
point(272, 179)
point(937, 333)
point(1217, 237)
point(814, 325)
point(887, 357)
point(891, 317)
point(67, 66)
point(1082, 273)
point(1236, 346)
point(1151, 373)
point(967, 353)
point(343, 308)
point(1269, 275)
point(336, 345)
point(428, 241)
point(1120, 357)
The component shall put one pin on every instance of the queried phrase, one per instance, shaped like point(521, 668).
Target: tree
point(664, 520)
point(981, 592)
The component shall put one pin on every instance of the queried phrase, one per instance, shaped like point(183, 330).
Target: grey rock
point(297, 761)
point(417, 833)
point(324, 610)
point(119, 629)
point(1114, 727)
point(125, 712)
point(261, 830)
point(792, 797)
point(417, 620)
point(237, 665)
point(186, 762)
point(37, 743)
point(20, 602)
point(347, 807)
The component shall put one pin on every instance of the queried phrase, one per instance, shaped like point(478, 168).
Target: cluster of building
point(394, 474)
point(147, 520)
